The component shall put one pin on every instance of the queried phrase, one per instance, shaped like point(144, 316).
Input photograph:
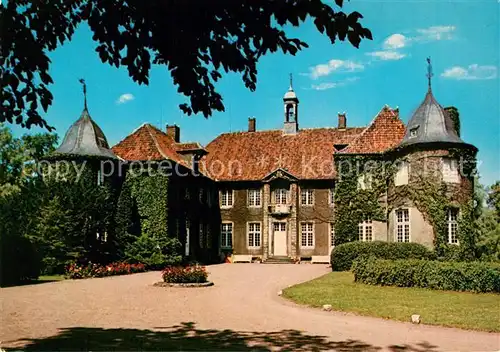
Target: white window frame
point(187, 239)
point(278, 196)
point(253, 233)
point(365, 181)
point(452, 225)
point(402, 174)
point(331, 235)
point(405, 223)
point(365, 230)
point(307, 197)
point(100, 178)
point(228, 233)
point(331, 196)
point(449, 169)
point(226, 198)
point(309, 233)
point(254, 197)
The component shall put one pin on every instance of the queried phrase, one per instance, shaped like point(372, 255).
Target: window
point(413, 132)
point(365, 181)
point(209, 197)
point(209, 236)
point(226, 235)
point(201, 234)
point(332, 235)
point(452, 218)
point(307, 235)
point(254, 234)
point(226, 198)
point(365, 231)
point(254, 198)
point(280, 195)
point(188, 229)
point(103, 237)
point(450, 171)
point(200, 195)
point(306, 196)
point(100, 178)
point(331, 196)
point(402, 225)
point(401, 177)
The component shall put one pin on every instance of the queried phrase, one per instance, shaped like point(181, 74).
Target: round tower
point(84, 150)
point(432, 189)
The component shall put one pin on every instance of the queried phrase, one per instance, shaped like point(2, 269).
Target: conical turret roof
point(430, 123)
point(85, 138)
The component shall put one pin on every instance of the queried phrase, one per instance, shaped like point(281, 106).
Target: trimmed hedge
point(343, 255)
point(454, 276)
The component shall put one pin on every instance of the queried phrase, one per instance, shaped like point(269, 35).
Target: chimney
point(342, 121)
point(251, 124)
point(175, 132)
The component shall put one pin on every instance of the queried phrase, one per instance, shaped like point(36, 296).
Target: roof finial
point(291, 82)
point(429, 71)
point(82, 81)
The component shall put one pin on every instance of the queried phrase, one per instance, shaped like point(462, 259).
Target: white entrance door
point(280, 247)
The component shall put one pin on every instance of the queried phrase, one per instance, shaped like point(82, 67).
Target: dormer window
point(414, 131)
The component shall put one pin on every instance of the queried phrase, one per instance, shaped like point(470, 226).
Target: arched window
point(290, 113)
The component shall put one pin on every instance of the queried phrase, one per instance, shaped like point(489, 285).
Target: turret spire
point(82, 81)
point(429, 72)
point(291, 82)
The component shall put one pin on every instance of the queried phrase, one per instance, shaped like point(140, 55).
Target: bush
point(343, 255)
point(185, 274)
point(155, 253)
point(76, 271)
point(437, 275)
point(19, 260)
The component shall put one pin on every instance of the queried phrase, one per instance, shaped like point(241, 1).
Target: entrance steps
point(279, 260)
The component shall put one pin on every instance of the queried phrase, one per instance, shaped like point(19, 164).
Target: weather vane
point(82, 81)
point(429, 71)
point(291, 79)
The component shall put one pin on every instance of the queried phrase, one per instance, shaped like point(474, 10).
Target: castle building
point(295, 193)
point(280, 191)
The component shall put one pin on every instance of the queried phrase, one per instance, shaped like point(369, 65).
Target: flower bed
point(185, 274)
point(75, 271)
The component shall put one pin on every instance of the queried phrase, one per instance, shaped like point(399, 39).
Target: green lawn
point(49, 278)
point(457, 309)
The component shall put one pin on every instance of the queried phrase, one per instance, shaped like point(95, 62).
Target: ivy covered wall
point(142, 230)
point(425, 191)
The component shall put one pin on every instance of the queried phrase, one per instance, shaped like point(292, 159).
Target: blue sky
point(461, 37)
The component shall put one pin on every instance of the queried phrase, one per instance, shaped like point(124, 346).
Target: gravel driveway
point(241, 312)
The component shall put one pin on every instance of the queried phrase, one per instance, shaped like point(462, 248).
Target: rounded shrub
point(343, 255)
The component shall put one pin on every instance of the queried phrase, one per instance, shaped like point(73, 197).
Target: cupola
point(291, 110)
point(430, 123)
point(85, 137)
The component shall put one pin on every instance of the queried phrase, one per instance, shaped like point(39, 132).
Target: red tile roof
point(148, 143)
point(253, 155)
point(385, 132)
